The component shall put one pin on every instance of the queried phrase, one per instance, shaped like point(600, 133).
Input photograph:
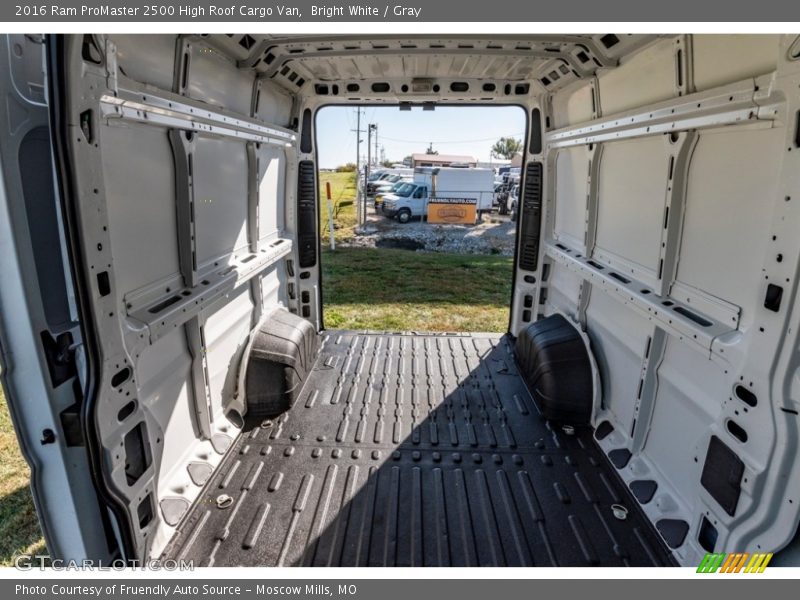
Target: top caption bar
point(414, 11)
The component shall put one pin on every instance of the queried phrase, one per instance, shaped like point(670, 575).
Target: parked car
point(381, 191)
point(388, 180)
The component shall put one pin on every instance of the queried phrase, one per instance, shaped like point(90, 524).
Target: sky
point(452, 130)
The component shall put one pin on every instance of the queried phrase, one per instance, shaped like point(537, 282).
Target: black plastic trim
point(307, 213)
point(536, 132)
point(306, 133)
point(531, 213)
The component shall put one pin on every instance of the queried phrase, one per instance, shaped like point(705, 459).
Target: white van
point(177, 393)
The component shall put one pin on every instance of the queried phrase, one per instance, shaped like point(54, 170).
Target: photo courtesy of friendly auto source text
point(404, 289)
point(183, 589)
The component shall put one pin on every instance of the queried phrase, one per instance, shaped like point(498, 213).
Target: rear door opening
point(177, 395)
point(422, 235)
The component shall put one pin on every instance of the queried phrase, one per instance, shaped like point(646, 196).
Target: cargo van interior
point(177, 393)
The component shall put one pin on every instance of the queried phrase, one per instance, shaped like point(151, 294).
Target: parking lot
point(494, 234)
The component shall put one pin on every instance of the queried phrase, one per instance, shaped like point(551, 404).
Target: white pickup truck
point(442, 182)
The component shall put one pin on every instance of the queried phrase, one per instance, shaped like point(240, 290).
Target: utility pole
point(358, 155)
point(370, 128)
point(376, 142)
point(358, 131)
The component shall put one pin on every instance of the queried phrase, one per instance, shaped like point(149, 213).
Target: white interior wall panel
point(573, 106)
point(225, 334)
point(271, 191)
point(215, 80)
point(141, 208)
point(691, 390)
point(220, 198)
point(274, 105)
point(563, 291)
point(630, 207)
point(571, 188)
point(619, 338)
point(721, 59)
point(147, 58)
point(163, 372)
point(733, 179)
point(645, 78)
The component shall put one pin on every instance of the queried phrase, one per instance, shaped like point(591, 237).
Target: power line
point(488, 139)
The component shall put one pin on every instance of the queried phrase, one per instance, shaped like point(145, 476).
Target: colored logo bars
point(737, 562)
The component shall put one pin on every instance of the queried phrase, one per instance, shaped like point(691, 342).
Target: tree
point(430, 149)
point(387, 163)
point(507, 147)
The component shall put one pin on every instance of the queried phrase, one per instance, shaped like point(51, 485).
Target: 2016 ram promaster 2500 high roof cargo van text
point(177, 394)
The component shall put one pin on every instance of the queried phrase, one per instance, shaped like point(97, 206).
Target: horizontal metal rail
point(161, 313)
point(144, 106)
point(728, 105)
point(676, 318)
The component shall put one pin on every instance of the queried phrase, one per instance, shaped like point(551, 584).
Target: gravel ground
point(494, 235)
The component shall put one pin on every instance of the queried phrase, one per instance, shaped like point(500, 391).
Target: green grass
point(400, 290)
point(19, 526)
point(343, 195)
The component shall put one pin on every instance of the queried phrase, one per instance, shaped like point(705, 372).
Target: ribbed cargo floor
point(413, 450)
